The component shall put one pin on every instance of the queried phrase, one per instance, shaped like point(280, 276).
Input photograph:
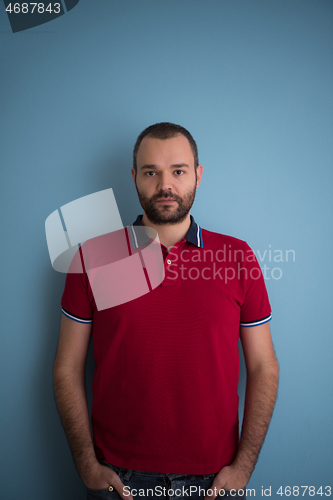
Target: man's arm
point(261, 389)
point(70, 394)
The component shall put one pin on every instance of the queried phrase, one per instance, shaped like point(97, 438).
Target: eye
point(150, 172)
point(179, 172)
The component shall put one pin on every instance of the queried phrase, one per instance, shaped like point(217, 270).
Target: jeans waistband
point(154, 474)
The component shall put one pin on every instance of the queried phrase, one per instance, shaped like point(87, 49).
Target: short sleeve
point(256, 309)
point(76, 302)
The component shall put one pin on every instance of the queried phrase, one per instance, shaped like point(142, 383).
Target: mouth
point(165, 201)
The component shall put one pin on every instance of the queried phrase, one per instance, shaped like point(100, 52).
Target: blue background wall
point(252, 80)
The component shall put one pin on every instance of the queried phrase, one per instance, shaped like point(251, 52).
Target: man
point(165, 408)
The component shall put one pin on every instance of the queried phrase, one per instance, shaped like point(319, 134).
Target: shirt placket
point(171, 264)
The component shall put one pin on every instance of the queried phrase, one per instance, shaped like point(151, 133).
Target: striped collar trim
point(193, 235)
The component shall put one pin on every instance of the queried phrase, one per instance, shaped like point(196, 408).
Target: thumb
point(122, 490)
point(215, 490)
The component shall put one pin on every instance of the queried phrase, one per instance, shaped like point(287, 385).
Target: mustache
point(166, 194)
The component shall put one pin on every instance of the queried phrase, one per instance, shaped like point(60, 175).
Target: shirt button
point(169, 261)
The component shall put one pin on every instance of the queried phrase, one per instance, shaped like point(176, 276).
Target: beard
point(167, 214)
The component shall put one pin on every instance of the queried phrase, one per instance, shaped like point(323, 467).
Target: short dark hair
point(166, 130)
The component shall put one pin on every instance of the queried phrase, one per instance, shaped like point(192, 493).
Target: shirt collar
point(193, 235)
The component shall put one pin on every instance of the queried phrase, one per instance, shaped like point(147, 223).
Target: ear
point(199, 175)
point(133, 175)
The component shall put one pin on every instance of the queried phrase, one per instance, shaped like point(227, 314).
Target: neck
point(169, 234)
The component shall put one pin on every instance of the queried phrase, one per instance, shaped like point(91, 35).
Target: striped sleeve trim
point(258, 322)
point(75, 318)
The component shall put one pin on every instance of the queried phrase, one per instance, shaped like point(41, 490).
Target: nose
point(164, 181)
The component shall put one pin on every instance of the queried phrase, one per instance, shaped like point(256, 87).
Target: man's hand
point(228, 478)
point(261, 387)
point(69, 386)
point(101, 477)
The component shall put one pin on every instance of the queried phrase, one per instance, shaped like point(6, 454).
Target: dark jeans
point(158, 486)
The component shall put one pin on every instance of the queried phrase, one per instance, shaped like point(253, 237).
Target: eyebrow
point(154, 167)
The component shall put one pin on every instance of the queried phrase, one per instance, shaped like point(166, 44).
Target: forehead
point(175, 150)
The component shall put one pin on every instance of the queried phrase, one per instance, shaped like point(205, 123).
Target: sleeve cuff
point(76, 318)
point(257, 322)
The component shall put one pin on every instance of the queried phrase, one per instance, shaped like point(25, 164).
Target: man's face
point(166, 181)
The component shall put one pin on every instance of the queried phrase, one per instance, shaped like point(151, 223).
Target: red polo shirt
point(166, 374)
